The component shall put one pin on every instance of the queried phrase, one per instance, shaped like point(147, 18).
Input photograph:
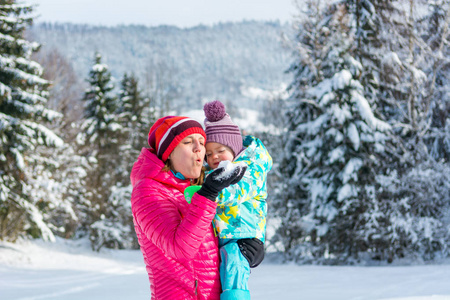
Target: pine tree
point(61, 183)
point(135, 116)
point(413, 34)
point(436, 39)
point(335, 143)
point(99, 127)
point(23, 94)
point(136, 112)
point(356, 183)
point(416, 194)
point(100, 138)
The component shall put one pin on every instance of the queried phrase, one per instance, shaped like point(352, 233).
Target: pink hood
point(176, 238)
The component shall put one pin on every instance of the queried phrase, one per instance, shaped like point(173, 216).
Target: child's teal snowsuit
point(241, 213)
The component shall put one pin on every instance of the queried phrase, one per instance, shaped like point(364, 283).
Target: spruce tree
point(100, 138)
point(135, 116)
point(355, 160)
point(23, 95)
point(413, 37)
point(415, 200)
point(335, 145)
point(100, 106)
point(136, 112)
point(436, 36)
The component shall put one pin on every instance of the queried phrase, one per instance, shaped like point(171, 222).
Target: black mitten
point(252, 250)
point(216, 181)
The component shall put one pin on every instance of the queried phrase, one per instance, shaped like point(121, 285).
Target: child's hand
point(215, 181)
point(252, 250)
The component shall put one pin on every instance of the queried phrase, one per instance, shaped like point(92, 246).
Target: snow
point(347, 191)
point(67, 270)
point(341, 79)
point(6, 37)
point(338, 136)
point(351, 169)
point(313, 127)
point(20, 162)
point(391, 59)
point(229, 168)
point(5, 61)
point(353, 135)
point(367, 114)
point(337, 82)
point(30, 78)
point(114, 126)
point(336, 154)
point(98, 68)
point(341, 114)
point(50, 137)
point(37, 218)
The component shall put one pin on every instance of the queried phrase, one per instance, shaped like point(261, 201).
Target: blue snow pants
point(234, 272)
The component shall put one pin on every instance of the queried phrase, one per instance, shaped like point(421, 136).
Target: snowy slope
point(68, 270)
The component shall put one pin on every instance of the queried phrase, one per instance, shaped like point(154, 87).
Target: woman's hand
point(215, 181)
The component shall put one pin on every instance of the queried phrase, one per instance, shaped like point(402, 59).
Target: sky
point(181, 13)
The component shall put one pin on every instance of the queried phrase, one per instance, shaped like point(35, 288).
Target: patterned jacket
point(177, 239)
point(242, 208)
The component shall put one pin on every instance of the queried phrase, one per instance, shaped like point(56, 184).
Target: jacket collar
point(149, 166)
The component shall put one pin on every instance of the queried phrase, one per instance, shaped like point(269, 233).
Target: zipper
point(196, 280)
point(196, 288)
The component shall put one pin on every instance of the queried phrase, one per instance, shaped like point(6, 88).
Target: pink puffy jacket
point(176, 238)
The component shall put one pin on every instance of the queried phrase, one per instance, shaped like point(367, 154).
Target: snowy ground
point(68, 270)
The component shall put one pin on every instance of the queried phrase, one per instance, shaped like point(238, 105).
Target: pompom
point(214, 111)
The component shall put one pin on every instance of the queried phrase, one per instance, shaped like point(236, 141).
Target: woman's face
point(187, 157)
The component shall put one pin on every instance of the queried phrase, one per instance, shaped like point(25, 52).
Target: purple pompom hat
point(220, 129)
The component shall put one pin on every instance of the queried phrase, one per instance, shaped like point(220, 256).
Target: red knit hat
point(168, 131)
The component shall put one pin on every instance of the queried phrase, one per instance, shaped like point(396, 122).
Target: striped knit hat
point(220, 129)
point(168, 131)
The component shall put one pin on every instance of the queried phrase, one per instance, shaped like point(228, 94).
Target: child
point(240, 219)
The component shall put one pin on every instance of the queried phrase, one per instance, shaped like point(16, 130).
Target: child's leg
point(234, 273)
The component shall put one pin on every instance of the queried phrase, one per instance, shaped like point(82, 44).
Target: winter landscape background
point(352, 99)
point(71, 271)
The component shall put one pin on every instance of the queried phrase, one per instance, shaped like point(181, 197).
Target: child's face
point(215, 153)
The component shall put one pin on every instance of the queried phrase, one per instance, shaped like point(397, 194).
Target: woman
point(176, 238)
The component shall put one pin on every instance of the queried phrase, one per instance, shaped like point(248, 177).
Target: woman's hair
point(198, 181)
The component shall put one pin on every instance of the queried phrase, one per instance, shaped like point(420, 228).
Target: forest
point(354, 96)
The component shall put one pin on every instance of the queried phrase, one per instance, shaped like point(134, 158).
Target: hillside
point(202, 62)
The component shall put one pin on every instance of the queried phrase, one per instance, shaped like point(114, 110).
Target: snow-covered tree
point(100, 124)
point(135, 115)
point(405, 69)
point(136, 112)
point(355, 161)
point(336, 145)
point(23, 94)
point(435, 37)
point(417, 192)
point(116, 230)
point(58, 185)
point(100, 138)
point(61, 181)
